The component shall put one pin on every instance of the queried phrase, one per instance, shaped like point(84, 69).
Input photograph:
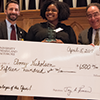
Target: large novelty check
point(49, 70)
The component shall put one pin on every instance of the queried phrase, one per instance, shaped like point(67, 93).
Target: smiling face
point(12, 12)
point(52, 14)
point(93, 16)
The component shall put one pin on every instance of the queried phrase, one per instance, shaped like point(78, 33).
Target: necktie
point(96, 40)
point(13, 33)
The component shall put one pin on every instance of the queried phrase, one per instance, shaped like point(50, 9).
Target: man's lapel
point(4, 30)
point(90, 34)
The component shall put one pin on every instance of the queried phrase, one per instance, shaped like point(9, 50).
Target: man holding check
point(91, 35)
point(8, 28)
point(10, 31)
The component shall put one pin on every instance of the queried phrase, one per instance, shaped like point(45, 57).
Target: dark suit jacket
point(3, 31)
point(85, 37)
point(3, 35)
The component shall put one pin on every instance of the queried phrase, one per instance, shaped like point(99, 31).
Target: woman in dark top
point(54, 12)
point(52, 30)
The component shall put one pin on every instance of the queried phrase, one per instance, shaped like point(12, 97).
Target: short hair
point(63, 8)
point(93, 4)
point(11, 1)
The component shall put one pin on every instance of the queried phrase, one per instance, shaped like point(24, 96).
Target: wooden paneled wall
point(77, 19)
point(31, 98)
point(27, 18)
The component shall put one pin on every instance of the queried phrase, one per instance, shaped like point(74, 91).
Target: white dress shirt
point(9, 29)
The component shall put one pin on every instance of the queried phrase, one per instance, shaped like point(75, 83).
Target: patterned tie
point(13, 33)
point(96, 40)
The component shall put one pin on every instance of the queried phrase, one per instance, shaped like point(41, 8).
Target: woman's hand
point(55, 41)
point(92, 44)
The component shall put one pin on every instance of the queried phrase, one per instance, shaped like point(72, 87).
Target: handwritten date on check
point(49, 70)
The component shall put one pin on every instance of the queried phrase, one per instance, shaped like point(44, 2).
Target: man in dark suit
point(12, 12)
point(87, 36)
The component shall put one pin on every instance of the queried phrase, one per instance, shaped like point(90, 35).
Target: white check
point(49, 70)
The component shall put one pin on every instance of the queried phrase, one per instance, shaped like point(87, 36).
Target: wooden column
point(74, 3)
point(61, 0)
point(4, 1)
point(20, 4)
point(88, 2)
point(26, 4)
point(37, 4)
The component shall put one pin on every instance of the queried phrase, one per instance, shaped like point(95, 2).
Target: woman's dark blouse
point(39, 32)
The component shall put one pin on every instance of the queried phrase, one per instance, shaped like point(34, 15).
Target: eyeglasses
point(95, 15)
